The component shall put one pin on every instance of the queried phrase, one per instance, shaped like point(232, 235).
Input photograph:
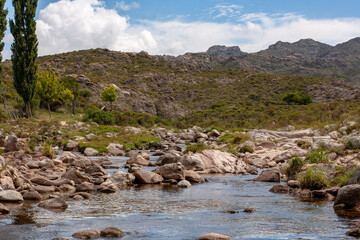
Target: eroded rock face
point(348, 197)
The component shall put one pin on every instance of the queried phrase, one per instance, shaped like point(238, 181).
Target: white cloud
point(225, 10)
point(82, 24)
point(126, 7)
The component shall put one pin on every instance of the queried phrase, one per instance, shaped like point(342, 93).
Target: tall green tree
point(109, 95)
point(49, 88)
point(24, 50)
point(3, 23)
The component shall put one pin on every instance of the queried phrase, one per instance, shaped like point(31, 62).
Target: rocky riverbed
point(143, 185)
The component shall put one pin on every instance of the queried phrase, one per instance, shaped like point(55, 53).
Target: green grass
point(313, 179)
point(294, 166)
point(196, 148)
point(317, 156)
point(342, 176)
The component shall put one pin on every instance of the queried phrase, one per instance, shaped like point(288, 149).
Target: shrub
point(294, 167)
point(342, 176)
point(100, 117)
point(234, 138)
point(317, 156)
point(297, 98)
point(198, 147)
point(246, 148)
point(313, 179)
point(48, 150)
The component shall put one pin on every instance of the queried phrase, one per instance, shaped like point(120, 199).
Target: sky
point(175, 27)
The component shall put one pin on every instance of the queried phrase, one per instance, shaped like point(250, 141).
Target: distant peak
point(223, 51)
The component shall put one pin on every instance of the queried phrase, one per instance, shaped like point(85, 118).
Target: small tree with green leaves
point(49, 88)
point(71, 84)
point(24, 50)
point(109, 95)
point(3, 23)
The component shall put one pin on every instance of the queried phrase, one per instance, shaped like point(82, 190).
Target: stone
point(167, 158)
point(7, 183)
point(90, 152)
point(214, 134)
point(193, 176)
point(249, 210)
point(348, 196)
point(72, 145)
point(334, 135)
point(355, 178)
point(112, 232)
point(210, 161)
point(87, 234)
point(138, 159)
point(44, 189)
point(33, 164)
point(90, 136)
point(32, 195)
point(85, 187)
point(184, 184)
point(95, 169)
point(78, 198)
point(115, 149)
point(47, 163)
point(280, 188)
point(161, 132)
point(107, 187)
point(145, 177)
point(120, 178)
point(355, 232)
point(214, 236)
point(271, 175)
point(171, 171)
point(11, 144)
point(293, 183)
point(54, 203)
point(75, 175)
point(3, 209)
point(10, 196)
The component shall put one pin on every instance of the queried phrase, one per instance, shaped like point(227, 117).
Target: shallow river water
point(158, 212)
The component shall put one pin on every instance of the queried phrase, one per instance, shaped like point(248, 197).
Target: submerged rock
point(184, 184)
point(87, 234)
point(271, 175)
point(214, 236)
point(112, 232)
point(54, 203)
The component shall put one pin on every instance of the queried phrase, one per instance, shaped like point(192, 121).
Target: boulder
point(293, 183)
point(354, 142)
point(2, 162)
point(90, 136)
point(3, 209)
point(54, 203)
point(193, 176)
point(214, 134)
point(44, 189)
point(122, 178)
point(75, 175)
point(10, 196)
point(211, 161)
point(347, 197)
point(145, 177)
point(112, 232)
point(184, 184)
point(167, 158)
point(214, 236)
point(355, 178)
point(90, 152)
point(355, 232)
point(280, 188)
point(95, 169)
point(72, 145)
point(138, 159)
point(11, 144)
point(107, 187)
point(161, 132)
point(271, 175)
point(85, 187)
point(32, 195)
point(7, 183)
point(87, 234)
point(47, 163)
point(115, 149)
point(171, 171)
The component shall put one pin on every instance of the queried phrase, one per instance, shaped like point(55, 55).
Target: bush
point(234, 138)
point(100, 117)
point(317, 156)
point(48, 150)
point(297, 98)
point(246, 148)
point(313, 179)
point(294, 167)
point(198, 147)
point(342, 176)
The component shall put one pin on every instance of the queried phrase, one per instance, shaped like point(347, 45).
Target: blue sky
point(178, 26)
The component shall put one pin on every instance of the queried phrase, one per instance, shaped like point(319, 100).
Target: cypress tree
point(3, 23)
point(24, 50)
